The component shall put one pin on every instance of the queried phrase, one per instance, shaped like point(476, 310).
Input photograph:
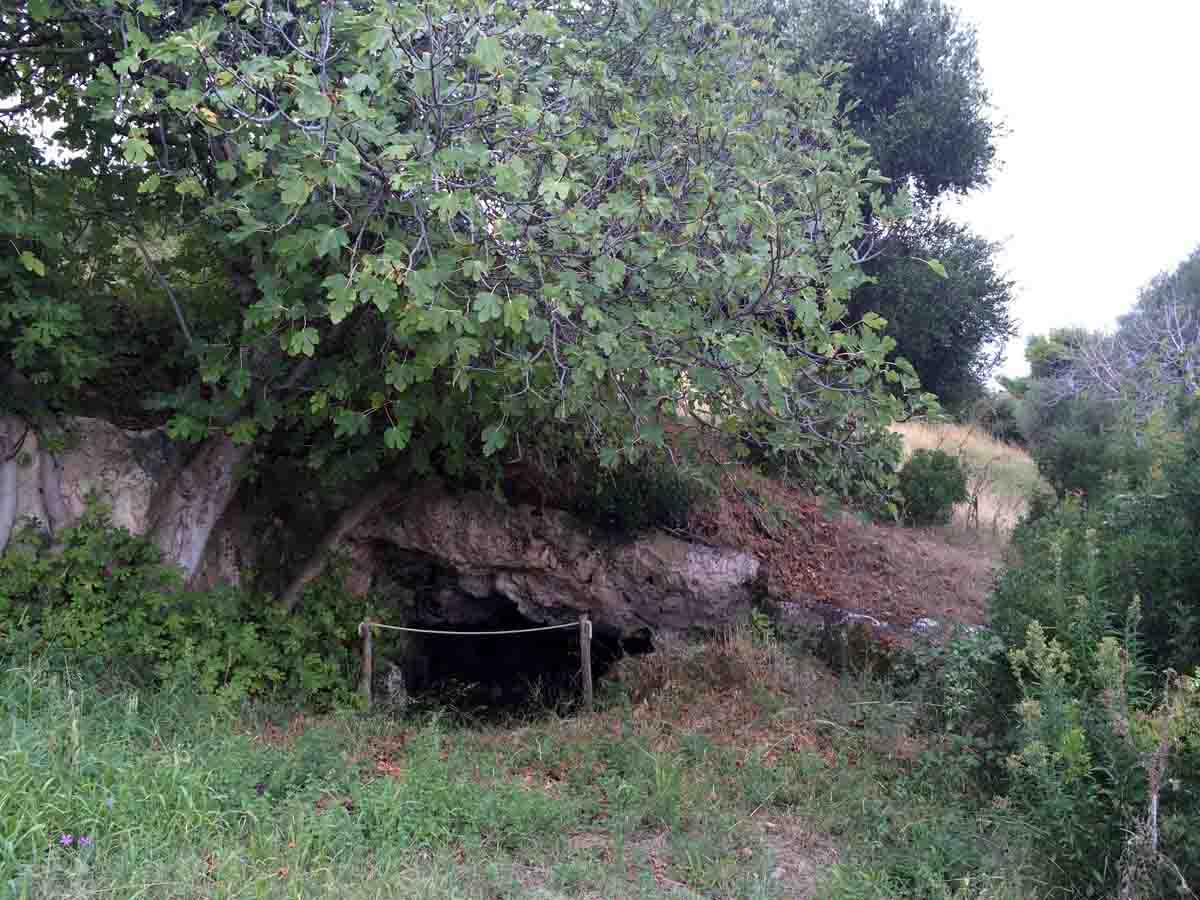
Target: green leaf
point(936, 265)
point(448, 205)
point(190, 187)
point(314, 105)
point(295, 192)
point(186, 428)
point(137, 150)
point(239, 382)
point(487, 306)
point(555, 189)
point(332, 240)
point(348, 423)
point(489, 53)
point(874, 321)
point(302, 342)
point(32, 263)
point(516, 311)
point(398, 436)
point(244, 431)
point(398, 151)
point(610, 272)
point(495, 439)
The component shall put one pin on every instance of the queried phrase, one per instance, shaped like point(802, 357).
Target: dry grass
point(1001, 476)
point(737, 661)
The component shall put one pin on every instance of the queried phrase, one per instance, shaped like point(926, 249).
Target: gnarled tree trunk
point(194, 501)
point(9, 447)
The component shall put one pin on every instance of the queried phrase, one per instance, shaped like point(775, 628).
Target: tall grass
point(731, 769)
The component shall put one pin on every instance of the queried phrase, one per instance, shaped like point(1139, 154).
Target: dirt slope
point(896, 574)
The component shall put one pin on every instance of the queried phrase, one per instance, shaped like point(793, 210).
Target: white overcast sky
point(1099, 184)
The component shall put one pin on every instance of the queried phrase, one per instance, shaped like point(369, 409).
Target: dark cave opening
point(485, 674)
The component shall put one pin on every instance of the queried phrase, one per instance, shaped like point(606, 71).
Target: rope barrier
point(584, 625)
point(470, 633)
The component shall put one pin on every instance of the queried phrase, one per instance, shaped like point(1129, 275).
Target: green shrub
point(1130, 545)
point(1086, 447)
point(634, 498)
point(1102, 741)
point(102, 597)
point(1091, 673)
point(1000, 414)
point(865, 478)
point(931, 482)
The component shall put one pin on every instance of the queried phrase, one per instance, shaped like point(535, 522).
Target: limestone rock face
point(551, 567)
point(481, 556)
point(123, 469)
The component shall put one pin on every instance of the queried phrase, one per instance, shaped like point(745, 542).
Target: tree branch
point(350, 519)
point(166, 285)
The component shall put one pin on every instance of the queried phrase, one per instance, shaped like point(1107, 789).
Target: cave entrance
point(492, 675)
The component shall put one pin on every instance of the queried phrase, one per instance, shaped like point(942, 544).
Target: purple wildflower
point(66, 840)
point(85, 841)
point(260, 789)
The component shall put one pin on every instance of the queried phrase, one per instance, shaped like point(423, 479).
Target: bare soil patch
point(895, 573)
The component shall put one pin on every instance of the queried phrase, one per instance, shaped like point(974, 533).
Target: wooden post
point(364, 684)
point(585, 659)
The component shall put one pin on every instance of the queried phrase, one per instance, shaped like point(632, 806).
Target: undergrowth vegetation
point(161, 742)
point(732, 769)
point(1098, 610)
point(102, 598)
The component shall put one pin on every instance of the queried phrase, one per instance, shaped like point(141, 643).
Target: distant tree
point(1016, 385)
point(913, 86)
point(1050, 354)
point(1152, 358)
point(1147, 363)
point(1095, 400)
point(913, 89)
point(952, 329)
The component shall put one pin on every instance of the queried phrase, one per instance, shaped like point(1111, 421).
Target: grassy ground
point(1002, 476)
point(727, 770)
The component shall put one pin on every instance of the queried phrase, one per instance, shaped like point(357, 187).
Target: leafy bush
point(1000, 414)
point(1130, 545)
point(931, 482)
point(1096, 728)
point(1083, 446)
point(649, 494)
point(103, 597)
point(867, 478)
point(1105, 765)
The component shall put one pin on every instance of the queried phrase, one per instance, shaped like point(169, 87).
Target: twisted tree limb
point(350, 519)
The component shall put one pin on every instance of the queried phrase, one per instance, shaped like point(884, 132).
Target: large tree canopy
point(434, 232)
